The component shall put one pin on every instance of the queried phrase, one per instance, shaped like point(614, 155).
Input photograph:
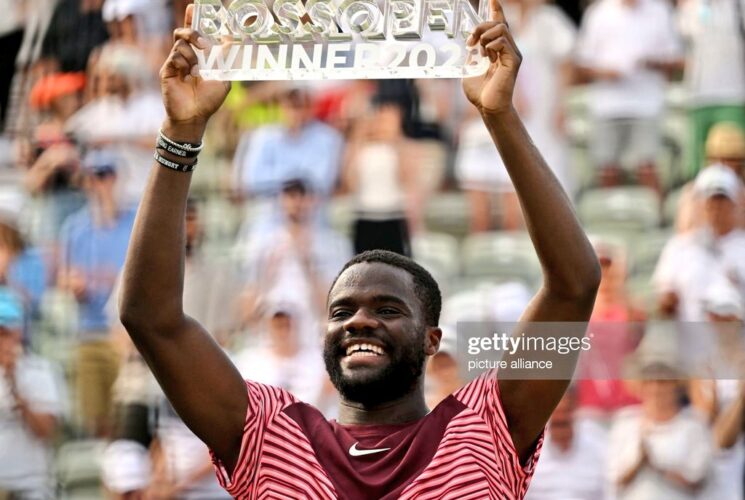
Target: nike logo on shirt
point(361, 453)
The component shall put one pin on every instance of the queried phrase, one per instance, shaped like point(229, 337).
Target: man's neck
point(406, 409)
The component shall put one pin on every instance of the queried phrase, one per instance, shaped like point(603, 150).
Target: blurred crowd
point(639, 109)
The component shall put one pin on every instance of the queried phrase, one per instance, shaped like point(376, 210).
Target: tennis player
point(383, 309)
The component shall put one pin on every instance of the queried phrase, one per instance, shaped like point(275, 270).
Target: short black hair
point(425, 286)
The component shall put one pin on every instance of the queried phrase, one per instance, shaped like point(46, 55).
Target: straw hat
point(725, 140)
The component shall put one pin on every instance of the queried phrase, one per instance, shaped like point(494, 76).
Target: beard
point(396, 379)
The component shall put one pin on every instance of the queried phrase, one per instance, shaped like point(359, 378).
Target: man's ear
point(432, 340)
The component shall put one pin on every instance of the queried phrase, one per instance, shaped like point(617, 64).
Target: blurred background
point(637, 105)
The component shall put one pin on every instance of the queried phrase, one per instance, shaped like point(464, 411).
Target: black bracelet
point(178, 151)
point(179, 167)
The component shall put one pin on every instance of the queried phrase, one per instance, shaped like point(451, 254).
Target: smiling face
point(377, 338)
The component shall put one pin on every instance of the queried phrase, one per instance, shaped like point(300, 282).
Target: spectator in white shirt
point(693, 261)
point(572, 464)
point(721, 400)
point(715, 70)
point(282, 358)
point(658, 450)
point(295, 262)
point(626, 50)
point(30, 409)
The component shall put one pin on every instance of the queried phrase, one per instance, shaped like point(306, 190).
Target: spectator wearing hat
point(94, 244)
point(52, 158)
point(725, 145)
point(31, 406)
point(658, 449)
point(615, 323)
point(133, 21)
point(573, 458)
point(720, 399)
point(627, 50)
point(715, 69)
point(281, 358)
point(294, 262)
point(124, 115)
point(692, 261)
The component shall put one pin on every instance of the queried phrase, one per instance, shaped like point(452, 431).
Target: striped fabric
point(475, 458)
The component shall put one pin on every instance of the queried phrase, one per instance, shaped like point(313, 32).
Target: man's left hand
point(492, 92)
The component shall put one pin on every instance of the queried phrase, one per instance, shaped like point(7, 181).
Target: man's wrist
point(185, 132)
point(498, 116)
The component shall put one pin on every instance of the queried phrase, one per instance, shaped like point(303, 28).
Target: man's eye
point(342, 313)
point(388, 311)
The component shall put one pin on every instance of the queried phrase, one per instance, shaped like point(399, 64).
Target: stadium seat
point(642, 293)
point(501, 257)
point(447, 213)
point(78, 466)
point(645, 252)
point(630, 209)
point(438, 253)
point(670, 208)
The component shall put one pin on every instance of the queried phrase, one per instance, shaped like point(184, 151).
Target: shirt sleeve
point(623, 448)
point(264, 404)
point(670, 45)
point(482, 395)
point(664, 277)
point(563, 34)
point(699, 456)
point(588, 39)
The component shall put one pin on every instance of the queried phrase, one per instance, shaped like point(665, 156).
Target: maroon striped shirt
point(461, 450)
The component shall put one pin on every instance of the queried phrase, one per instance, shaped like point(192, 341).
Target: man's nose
point(361, 320)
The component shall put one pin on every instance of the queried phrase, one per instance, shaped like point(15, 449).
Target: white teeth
point(364, 350)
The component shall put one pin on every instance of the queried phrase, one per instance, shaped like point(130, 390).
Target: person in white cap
point(725, 145)
point(721, 400)
point(660, 449)
point(692, 261)
point(31, 407)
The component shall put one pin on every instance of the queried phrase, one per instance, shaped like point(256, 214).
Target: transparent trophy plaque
point(338, 39)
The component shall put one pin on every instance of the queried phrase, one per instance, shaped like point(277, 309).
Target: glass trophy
point(338, 39)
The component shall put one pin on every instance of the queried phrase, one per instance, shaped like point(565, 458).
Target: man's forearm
point(153, 276)
point(570, 266)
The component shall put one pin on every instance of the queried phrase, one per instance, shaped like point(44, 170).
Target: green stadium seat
point(501, 257)
point(632, 209)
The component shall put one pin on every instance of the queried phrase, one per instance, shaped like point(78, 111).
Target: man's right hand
point(189, 100)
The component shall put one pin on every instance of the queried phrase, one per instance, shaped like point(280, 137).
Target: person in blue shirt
point(93, 245)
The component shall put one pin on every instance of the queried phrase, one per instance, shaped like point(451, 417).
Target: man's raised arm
point(570, 267)
point(198, 378)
